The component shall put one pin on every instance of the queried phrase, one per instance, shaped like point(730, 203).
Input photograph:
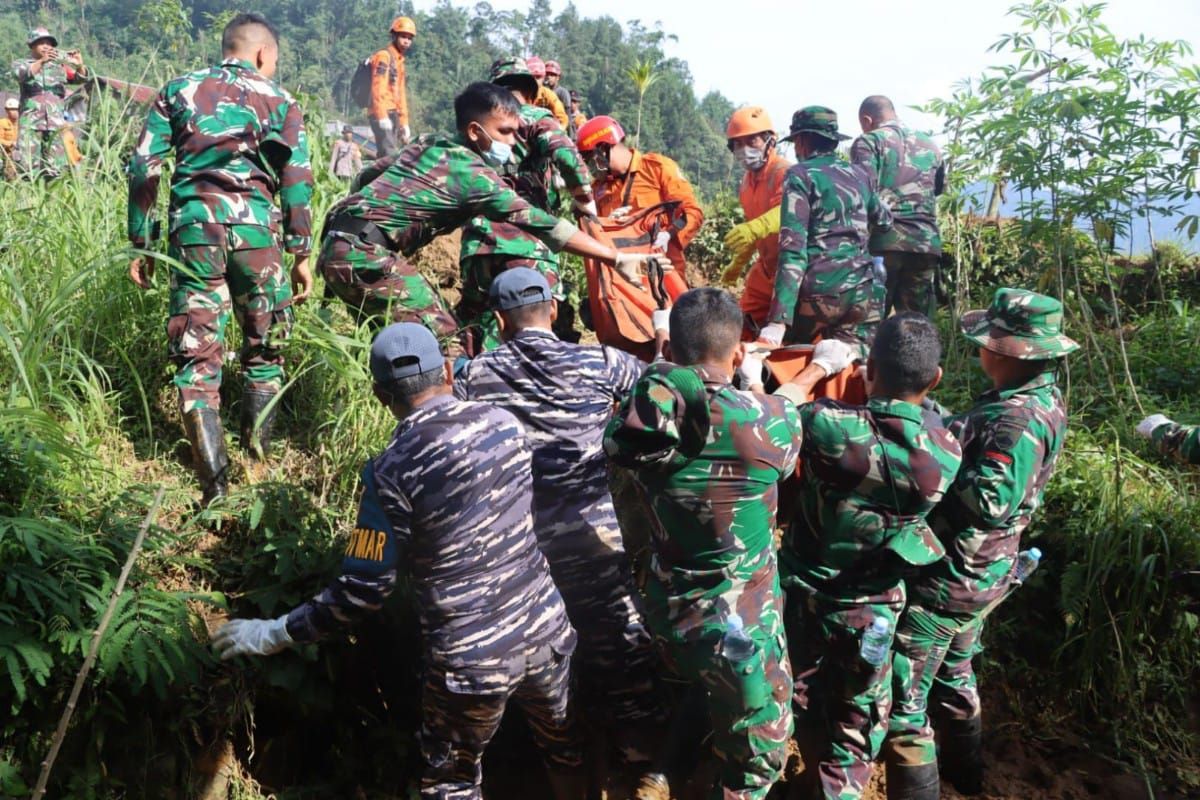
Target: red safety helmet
point(597, 131)
point(553, 68)
point(536, 66)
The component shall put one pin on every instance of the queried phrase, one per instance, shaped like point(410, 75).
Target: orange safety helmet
point(747, 122)
point(553, 68)
point(597, 131)
point(404, 25)
point(537, 67)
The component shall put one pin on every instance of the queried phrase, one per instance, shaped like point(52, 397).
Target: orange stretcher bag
point(621, 311)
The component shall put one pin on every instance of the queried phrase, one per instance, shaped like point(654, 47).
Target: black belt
point(362, 228)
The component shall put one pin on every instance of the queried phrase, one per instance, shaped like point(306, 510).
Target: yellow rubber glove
point(746, 235)
point(733, 272)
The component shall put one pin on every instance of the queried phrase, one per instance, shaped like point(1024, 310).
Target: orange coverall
point(653, 179)
point(388, 93)
point(760, 192)
point(549, 100)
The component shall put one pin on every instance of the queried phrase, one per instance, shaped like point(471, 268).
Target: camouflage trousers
point(932, 662)
point(851, 316)
point(379, 285)
point(44, 153)
point(231, 271)
point(615, 660)
point(748, 701)
point(842, 702)
point(456, 728)
point(478, 272)
point(911, 282)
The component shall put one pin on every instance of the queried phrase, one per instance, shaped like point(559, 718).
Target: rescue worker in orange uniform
point(389, 97)
point(546, 97)
point(625, 180)
point(8, 137)
point(751, 139)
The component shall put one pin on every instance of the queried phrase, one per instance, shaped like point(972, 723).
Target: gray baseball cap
point(516, 287)
point(402, 350)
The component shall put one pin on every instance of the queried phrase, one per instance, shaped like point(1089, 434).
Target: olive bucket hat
point(1020, 324)
point(816, 119)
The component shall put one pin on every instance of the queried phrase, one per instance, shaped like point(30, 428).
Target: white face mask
point(752, 158)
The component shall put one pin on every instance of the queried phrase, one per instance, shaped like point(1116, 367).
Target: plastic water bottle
point(1027, 562)
point(876, 642)
point(736, 644)
point(879, 269)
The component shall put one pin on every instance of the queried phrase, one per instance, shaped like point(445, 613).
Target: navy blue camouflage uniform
point(450, 500)
point(563, 394)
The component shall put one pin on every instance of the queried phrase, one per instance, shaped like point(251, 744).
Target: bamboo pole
point(60, 733)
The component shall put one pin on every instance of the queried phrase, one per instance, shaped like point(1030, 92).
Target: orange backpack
point(621, 310)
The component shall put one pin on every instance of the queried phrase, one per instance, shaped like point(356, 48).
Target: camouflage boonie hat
point(1020, 324)
point(816, 119)
point(37, 34)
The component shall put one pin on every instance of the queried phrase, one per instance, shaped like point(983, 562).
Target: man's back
point(563, 394)
point(238, 139)
point(907, 164)
point(456, 488)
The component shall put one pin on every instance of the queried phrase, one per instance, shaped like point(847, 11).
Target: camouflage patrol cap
point(402, 350)
point(37, 34)
point(513, 72)
point(1020, 324)
point(816, 119)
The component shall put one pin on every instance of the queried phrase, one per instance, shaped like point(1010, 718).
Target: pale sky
point(785, 55)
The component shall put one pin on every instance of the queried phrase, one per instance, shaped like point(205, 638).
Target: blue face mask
point(498, 153)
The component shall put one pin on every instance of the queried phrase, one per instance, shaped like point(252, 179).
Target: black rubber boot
point(203, 429)
point(257, 442)
point(912, 781)
point(961, 753)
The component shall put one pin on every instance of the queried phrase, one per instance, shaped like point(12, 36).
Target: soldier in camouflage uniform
point(563, 393)
point(709, 458)
point(44, 79)
point(869, 475)
point(1011, 439)
point(910, 173)
point(239, 141)
point(543, 154)
point(400, 203)
point(449, 501)
point(1181, 442)
point(825, 285)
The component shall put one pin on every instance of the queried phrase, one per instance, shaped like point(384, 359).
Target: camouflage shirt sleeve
point(368, 569)
point(145, 169)
point(490, 197)
point(566, 159)
point(1177, 441)
point(996, 477)
point(865, 151)
point(296, 185)
point(793, 245)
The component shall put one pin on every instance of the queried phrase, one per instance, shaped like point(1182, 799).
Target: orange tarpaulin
point(621, 311)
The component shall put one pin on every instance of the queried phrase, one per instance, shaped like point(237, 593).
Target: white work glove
point(662, 319)
point(586, 209)
point(251, 637)
point(1147, 426)
point(662, 239)
point(384, 124)
point(631, 265)
point(751, 369)
point(833, 355)
point(621, 212)
point(405, 134)
point(773, 333)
